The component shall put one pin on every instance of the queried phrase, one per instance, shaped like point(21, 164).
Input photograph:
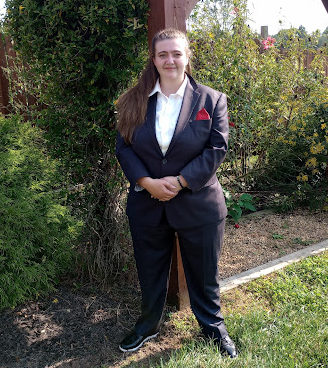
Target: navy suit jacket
point(197, 149)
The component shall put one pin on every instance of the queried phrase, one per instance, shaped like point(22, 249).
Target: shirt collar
point(180, 92)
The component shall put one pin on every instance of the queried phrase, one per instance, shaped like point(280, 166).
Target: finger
point(169, 186)
point(167, 198)
point(169, 192)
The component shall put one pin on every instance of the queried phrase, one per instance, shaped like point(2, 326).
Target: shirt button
point(164, 161)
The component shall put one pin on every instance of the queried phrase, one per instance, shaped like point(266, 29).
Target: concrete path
point(272, 266)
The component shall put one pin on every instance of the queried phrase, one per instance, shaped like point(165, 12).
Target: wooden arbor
point(164, 14)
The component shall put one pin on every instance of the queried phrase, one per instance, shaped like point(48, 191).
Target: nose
point(170, 59)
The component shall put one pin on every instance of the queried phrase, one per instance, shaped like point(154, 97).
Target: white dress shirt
point(167, 113)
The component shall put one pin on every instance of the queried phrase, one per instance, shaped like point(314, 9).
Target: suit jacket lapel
point(151, 121)
point(190, 99)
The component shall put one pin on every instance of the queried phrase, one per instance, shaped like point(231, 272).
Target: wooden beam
point(177, 294)
point(175, 14)
point(325, 3)
point(190, 4)
point(164, 14)
point(168, 13)
point(156, 19)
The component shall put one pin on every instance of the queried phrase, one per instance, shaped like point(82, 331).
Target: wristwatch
point(179, 181)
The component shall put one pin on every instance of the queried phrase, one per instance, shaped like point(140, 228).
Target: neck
point(169, 87)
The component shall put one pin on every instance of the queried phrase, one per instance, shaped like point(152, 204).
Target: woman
point(173, 136)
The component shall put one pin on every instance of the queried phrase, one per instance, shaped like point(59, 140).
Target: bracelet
point(179, 181)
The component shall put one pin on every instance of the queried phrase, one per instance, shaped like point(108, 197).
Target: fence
point(6, 54)
point(8, 90)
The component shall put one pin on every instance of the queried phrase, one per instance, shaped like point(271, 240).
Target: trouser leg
point(200, 251)
point(153, 252)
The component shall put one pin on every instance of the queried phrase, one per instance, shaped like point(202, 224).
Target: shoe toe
point(130, 342)
point(227, 347)
point(134, 341)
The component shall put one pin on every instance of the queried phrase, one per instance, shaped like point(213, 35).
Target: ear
point(187, 61)
point(188, 54)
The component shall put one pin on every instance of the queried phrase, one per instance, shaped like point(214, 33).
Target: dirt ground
point(81, 327)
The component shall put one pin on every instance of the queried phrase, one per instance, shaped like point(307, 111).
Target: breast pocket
point(195, 136)
point(195, 124)
point(200, 129)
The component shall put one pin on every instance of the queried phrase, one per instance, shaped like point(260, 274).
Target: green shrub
point(297, 159)
point(37, 232)
point(277, 106)
point(81, 55)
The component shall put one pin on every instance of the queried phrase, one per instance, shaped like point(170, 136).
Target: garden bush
point(38, 234)
point(277, 106)
point(81, 55)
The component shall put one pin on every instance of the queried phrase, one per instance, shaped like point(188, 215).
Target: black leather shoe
point(227, 347)
point(134, 341)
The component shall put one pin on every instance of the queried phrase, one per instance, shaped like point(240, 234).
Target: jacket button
point(164, 161)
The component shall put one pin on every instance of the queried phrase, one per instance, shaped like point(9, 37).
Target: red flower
point(231, 124)
point(269, 42)
point(237, 226)
point(235, 11)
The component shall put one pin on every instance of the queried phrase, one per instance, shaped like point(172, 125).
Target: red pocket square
point(202, 115)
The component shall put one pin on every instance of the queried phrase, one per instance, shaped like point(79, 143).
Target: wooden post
point(177, 294)
point(168, 13)
point(264, 31)
point(164, 14)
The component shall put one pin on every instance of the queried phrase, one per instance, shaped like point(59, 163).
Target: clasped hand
point(162, 189)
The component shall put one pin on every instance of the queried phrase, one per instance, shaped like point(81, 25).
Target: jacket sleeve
point(131, 164)
point(200, 169)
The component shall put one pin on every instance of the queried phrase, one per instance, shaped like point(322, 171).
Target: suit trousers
point(200, 250)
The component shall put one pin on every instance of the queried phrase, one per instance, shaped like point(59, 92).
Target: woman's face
point(171, 59)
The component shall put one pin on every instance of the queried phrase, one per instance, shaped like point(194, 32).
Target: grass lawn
point(276, 321)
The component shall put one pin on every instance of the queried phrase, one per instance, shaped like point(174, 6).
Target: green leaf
point(249, 206)
point(245, 197)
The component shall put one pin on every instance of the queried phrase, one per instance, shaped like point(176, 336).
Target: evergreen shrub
point(81, 55)
point(37, 232)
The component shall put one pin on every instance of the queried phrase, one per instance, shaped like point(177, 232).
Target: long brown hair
point(132, 104)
